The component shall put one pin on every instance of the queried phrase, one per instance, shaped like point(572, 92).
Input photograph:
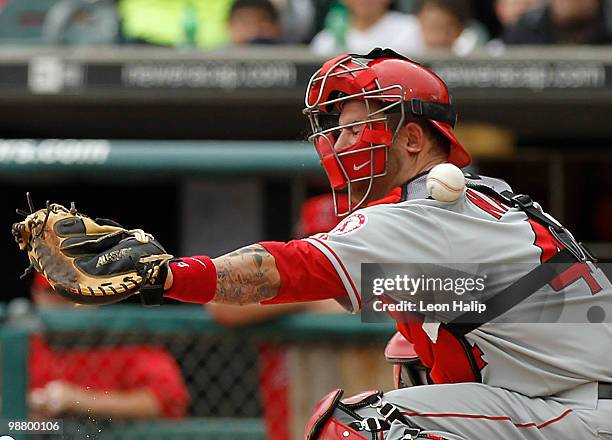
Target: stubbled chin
point(358, 191)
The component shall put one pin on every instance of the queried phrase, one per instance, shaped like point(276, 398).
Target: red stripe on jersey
point(305, 273)
point(490, 206)
point(545, 241)
point(492, 418)
point(354, 290)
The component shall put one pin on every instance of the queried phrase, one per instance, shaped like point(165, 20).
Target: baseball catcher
point(380, 123)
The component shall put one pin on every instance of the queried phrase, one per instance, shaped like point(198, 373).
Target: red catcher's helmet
point(398, 85)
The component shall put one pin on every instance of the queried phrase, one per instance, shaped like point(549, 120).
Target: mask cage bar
point(315, 78)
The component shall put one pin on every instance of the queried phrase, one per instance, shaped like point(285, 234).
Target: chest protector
point(451, 359)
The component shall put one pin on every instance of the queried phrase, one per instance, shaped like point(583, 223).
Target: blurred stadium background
point(167, 116)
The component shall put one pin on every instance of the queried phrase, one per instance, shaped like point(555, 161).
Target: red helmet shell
point(419, 82)
point(416, 81)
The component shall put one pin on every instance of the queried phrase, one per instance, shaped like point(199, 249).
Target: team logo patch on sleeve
point(350, 224)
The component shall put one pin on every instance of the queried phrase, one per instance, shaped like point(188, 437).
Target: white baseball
point(445, 182)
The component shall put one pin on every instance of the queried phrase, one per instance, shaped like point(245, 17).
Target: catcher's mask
point(399, 86)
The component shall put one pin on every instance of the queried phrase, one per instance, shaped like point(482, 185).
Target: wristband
point(194, 280)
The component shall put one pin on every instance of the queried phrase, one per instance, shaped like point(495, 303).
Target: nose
point(343, 141)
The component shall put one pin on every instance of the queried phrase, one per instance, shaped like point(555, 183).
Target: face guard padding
point(384, 89)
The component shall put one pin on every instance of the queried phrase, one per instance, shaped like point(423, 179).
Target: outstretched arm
point(268, 272)
point(248, 275)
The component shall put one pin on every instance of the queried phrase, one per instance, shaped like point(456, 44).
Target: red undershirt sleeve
point(305, 273)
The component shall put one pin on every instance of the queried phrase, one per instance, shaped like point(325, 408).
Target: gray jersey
point(531, 359)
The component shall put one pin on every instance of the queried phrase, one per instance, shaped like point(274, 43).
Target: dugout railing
point(166, 326)
point(552, 178)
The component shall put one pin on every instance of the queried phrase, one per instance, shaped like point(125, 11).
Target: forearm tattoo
point(248, 275)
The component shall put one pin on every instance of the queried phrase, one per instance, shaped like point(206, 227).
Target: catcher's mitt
point(91, 262)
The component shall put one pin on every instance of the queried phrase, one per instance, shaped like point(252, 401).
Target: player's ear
point(411, 137)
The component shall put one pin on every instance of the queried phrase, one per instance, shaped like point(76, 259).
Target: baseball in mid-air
point(445, 182)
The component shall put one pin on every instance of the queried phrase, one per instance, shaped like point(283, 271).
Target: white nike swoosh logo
point(357, 168)
point(199, 261)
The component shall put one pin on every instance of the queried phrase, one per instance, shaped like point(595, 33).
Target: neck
point(421, 168)
point(384, 185)
point(362, 23)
